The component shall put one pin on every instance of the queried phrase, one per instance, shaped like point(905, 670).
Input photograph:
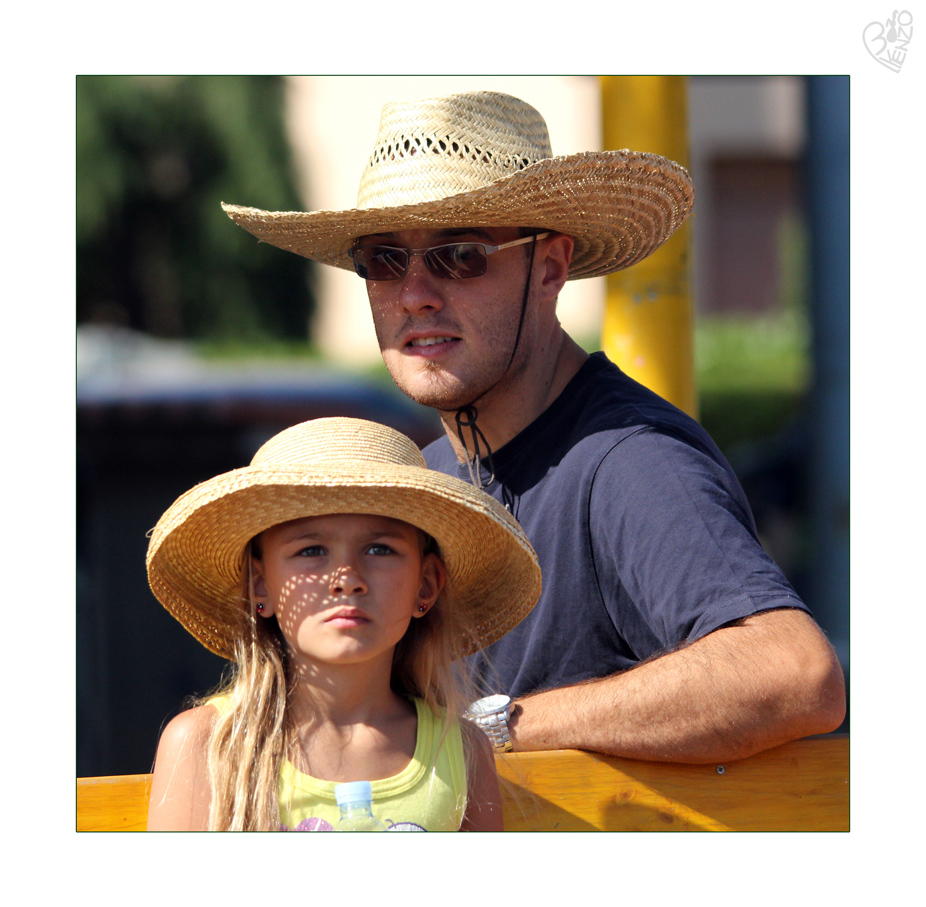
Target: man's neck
point(507, 410)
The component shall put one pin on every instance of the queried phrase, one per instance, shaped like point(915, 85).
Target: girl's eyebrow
point(369, 536)
point(385, 534)
point(303, 538)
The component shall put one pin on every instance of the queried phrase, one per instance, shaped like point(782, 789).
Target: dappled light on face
point(343, 588)
point(345, 581)
point(299, 598)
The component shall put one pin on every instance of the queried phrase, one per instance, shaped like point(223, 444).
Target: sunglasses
point(453, 261)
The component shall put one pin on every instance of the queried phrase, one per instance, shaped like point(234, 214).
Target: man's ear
point(433, 580)
point(555, 257)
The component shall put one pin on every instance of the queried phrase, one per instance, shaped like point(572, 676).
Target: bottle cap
point(353, 792)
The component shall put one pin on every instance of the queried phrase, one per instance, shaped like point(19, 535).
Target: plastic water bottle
point(355, 798)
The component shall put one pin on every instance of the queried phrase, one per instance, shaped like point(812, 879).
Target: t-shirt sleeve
point(673, 544)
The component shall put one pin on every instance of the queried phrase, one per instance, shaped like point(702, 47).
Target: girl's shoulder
point(180, 793)
point(483, 807)
point(189, 731)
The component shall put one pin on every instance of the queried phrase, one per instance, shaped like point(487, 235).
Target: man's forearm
point(769, 679)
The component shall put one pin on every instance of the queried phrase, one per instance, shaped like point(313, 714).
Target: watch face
point(491, 704)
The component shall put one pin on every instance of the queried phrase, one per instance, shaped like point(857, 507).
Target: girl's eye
point(379, 549)
point(312, 551)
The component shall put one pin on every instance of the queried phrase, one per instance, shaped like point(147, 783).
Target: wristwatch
point(491, 714)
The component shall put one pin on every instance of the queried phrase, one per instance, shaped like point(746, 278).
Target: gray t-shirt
point(644, 535)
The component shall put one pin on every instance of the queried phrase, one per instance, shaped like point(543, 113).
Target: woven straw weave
point(326, 466)
point(422, 154)
point(483, 159)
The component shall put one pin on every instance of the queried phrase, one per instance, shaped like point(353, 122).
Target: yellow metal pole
point(648, 318)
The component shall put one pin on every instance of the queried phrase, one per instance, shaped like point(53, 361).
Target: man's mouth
point(430, 341)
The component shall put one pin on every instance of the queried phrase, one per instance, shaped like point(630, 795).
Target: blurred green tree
point(155, 252)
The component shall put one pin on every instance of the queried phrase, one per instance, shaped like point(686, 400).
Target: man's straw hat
point(196, 556)
point(483, 159)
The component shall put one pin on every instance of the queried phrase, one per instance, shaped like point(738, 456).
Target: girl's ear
point(260, 587)
point(433, 580)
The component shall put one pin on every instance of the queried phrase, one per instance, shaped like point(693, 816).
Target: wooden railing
point(801, 786)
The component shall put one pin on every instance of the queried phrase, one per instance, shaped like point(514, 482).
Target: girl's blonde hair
point(253, 732)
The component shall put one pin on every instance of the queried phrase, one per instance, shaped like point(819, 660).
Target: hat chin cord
point(466, 415)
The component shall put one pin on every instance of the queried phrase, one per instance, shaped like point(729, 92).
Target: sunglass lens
point(457, 261)
point(379, 262)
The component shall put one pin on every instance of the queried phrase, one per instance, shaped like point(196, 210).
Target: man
point(664, 632)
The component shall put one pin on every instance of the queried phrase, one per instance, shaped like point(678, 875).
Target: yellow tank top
point(429, 794)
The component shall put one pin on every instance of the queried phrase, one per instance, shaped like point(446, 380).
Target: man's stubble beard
point(438, 389)
point(446, 392)
point(435, 388)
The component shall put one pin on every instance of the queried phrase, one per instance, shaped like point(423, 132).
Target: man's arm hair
point(751, 685)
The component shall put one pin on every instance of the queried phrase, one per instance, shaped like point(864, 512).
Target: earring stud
point(421, 609)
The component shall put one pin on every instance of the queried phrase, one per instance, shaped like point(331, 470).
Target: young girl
point(344, 580)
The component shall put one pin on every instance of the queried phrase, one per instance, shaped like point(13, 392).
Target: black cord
point(466, 415)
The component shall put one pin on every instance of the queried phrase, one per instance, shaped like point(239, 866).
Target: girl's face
point(345, 587)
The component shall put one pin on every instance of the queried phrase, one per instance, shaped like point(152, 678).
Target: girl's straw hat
point(196, 556)
point(483, 159)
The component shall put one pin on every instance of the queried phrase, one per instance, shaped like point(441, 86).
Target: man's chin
point(443, 400)
point(432, 388)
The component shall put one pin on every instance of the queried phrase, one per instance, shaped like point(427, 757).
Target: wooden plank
point(801, 786)
point(113, 803)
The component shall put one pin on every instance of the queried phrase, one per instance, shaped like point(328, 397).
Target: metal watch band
point(496, 727)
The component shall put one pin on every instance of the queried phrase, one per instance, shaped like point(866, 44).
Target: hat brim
point(618, 206)
point(196, 554)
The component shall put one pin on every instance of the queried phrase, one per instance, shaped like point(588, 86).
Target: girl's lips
point(346, 623)
point(349, 618)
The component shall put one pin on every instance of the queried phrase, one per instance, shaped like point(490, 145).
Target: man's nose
point(420, 290)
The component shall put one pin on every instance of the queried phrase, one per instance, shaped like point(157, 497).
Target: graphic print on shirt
point(314, 824)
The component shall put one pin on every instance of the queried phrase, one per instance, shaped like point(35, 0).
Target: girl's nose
point(347, 581)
